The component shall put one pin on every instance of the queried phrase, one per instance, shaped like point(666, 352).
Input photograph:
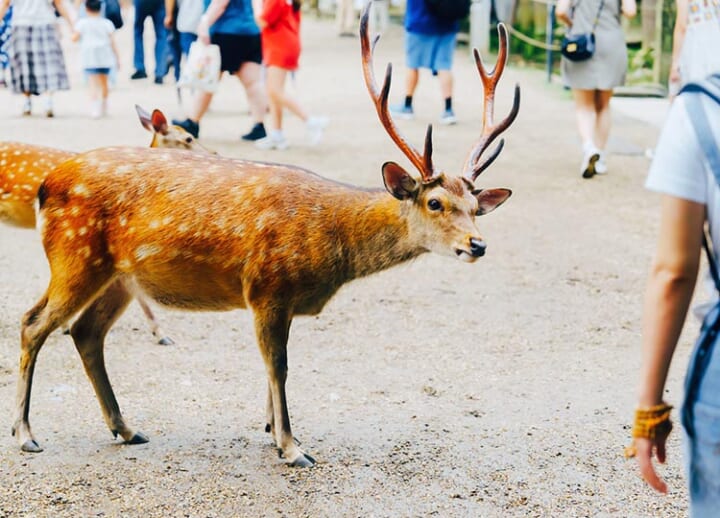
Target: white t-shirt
point(32, 13)
point(680, 167)
point(95, 46)
point(189, 13)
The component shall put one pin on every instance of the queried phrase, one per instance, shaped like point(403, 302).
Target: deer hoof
point(302, 461)
point(166, 340)
point(31, 446)
point(138, 438)
point(268, 428)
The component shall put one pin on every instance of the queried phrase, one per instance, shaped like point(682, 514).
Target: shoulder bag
point(580, 47)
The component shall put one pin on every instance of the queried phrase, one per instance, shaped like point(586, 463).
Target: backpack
point(449, 10)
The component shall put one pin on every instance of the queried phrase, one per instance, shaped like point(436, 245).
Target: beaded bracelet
point(650, 423)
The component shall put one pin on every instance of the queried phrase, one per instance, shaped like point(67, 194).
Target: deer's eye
point(434, 204)
point(188, 140)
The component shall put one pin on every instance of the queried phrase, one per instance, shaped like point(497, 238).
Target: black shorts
point(237, 49)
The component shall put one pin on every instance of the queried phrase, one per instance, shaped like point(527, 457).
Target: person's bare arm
point(169, 13)
point(678, 38)
point(563, 11)
point(211, 15)
point(628, 8)
point(60, 6)
point(667, 298)
point(113, 44)
point(4, 6)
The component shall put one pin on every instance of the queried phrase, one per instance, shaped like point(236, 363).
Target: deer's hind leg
point(154, 325)
point(88, 333)
point(65, 296)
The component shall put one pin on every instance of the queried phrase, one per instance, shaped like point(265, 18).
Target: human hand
point(203, 31)
point(644, 449)
point(168, 22)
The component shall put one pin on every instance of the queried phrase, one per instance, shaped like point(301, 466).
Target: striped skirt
point(36, 60)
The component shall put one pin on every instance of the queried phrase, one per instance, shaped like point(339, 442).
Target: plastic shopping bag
point(202, 67)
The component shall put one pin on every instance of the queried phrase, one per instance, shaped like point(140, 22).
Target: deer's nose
point(477, 247)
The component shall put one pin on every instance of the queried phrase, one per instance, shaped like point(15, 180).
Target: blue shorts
point(702, 450)
point(433, 51)
point(100, 70)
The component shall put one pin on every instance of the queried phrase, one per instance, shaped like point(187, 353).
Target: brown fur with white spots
point(23, 167)
point(209, 233)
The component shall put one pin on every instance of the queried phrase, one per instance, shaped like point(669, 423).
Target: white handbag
point(202, 67)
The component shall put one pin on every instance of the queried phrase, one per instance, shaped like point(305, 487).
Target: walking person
point(98, 54)
point(185, 15)
point(231, 25)
point(37, 65)
point(592, 81)
point(430, 44)
point(345, 18)
point(154, 9)
point(686, 172)
point(280, 25)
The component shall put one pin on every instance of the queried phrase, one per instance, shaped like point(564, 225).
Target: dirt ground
point(438, 388)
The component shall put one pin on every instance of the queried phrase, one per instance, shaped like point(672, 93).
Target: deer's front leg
point(272, 328)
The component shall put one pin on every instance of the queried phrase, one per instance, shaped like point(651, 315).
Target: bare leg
point(89, 332)
point(603, 118)
point(201, 103)
point(446, 83)
point(278, 98)
point(272, 327)
point(411, 81)
point(585, 115)
point(250, 75)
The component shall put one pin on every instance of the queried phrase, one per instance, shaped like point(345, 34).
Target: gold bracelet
point(650, 423)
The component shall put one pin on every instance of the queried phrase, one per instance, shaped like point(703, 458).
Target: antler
point(422, 162)
point(473, 167)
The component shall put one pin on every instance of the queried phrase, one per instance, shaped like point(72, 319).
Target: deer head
point(450, 203)
point(167, 136)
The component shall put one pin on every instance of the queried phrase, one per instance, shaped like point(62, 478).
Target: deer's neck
point(374, 232)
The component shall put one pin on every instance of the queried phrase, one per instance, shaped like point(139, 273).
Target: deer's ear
point(144, 117)
point(159, 122)
point(490, 199)
point(398, 182)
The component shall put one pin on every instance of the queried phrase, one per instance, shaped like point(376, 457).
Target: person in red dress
point(279, 22)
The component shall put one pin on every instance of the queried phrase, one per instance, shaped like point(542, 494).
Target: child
point(98, 54)
point(280, 24)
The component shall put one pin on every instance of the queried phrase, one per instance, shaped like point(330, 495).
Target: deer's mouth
point(465, 256)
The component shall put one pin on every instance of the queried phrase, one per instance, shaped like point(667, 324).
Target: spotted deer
point(23, 167)
point(209, 233)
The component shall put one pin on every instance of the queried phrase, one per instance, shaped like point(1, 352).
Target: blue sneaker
point(448, 118)
point(402, 111)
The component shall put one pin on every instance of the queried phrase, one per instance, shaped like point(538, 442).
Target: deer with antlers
point(210, 233)
point(23, 167)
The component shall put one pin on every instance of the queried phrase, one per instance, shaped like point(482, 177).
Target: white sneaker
point(315, 128)
point(96, 110)
point(27, 107)
point(601, 165)
point(590, 158)
point(49, 107)
point(272, 141)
